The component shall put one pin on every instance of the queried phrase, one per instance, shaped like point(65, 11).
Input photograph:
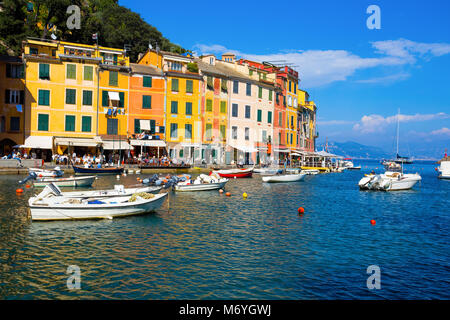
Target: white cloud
point(443, 131)
point(322, 67)
point(387, 79)
point(377, 123)
point(334, 122)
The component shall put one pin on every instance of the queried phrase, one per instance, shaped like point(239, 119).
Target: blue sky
point(358, 77)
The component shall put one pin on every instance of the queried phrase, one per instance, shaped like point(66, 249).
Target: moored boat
point(285, 178)
point(41, 173)
point(118, 191)
point(49, 205)
point(201, 183)
point(389, 181)
point(444, 168)
point(235, 173)
point(102, 170)
point(85, 181)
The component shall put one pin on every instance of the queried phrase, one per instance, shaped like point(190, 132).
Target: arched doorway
point(6, 146)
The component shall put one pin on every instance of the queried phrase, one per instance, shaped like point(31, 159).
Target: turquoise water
point(208, 246)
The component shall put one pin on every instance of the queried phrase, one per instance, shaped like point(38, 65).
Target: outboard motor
point(32, 175)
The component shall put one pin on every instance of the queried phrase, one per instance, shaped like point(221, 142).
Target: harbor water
point(204, 245)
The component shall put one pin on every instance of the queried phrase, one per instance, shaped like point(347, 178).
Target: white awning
point(113, 96)
point(37, 142)
point(327, 155)
point(148, 143)
point(116, 145)
point(77, 142)
point(249, 149)
point(144, 124)
point(282, 150)
point(296, 154)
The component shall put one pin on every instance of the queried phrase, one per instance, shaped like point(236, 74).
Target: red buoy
point(27, 186)
point(373, 222)
point(228, 194)
point(19, 190)
point(301, 210)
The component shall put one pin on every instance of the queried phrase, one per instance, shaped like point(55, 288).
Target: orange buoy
point(373, 222)
point(301, 210)
point(40, 175)
point(27, 186)
point(228, 194)
point(19, 190)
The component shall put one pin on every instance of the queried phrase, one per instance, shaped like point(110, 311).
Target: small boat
point(238, 173)
point(310, 172)
point(285, 178)
point(267, 171)
point(444, 167)
point(349, 165)
point(41, 173)
point(102, 170)
point(200, 186)
point(85, 181)
point(354, 168)
point(118, 191)
point(389, 181)
point(392, 166)
point(50, 205)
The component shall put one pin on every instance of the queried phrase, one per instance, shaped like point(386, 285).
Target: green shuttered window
point(208, 131)
point(188, 131)
point(86, 122)
point(189, 108)
point(223, 107)
point(113, 78)
point(44, 97)
point(44, 71)
point(174, 107)
point(269, 117)
point(147, 82)
point(87, 98)
point(122, 99)
point(208, 105)
point(105, 98)
point(175, 85)
point(43, 122)
point(71, 71)
point(189, 86)
point(259, 115)
point(71, 96)
point(70, 123)
point(146, 102)
point(260, 90)
point(223, 131)
point(88, 73)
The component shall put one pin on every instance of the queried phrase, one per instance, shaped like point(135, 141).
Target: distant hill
point(355, 150)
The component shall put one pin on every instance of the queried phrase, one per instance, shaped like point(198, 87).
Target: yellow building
point(291, 108)
point(307, 122)
point(183, 126)
point(12, 95)
point(67, 105)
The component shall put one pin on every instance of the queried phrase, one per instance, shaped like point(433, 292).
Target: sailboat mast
point(398, 126)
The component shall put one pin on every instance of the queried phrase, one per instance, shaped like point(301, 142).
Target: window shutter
point(260, 92)
point(113, 78)
point(137, 126)
point(8, 70)
point(189, 86)
point(152, 126)
point(174, 107)
point(22, 97)
point(105, 98)
point(7, 95)
point(270, 95)
point(259, 115)
point(146, 102)
point(269, 117)
point(88, 73)
point(208, 105)
point(86, 124)
point(223, 107)
point(189, 108)
point(147, 82)
point(122, 99)
point(175, 85)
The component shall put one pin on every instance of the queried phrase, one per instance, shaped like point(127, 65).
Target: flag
point(109, 112)
point(95, 36)
point(115, 111)
point(19, 108)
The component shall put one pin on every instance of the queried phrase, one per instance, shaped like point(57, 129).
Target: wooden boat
point(103, 170)
point(285, 178)
point(238, 173)
point(118, 191)
point(49, 205)
point(86, 181)
point(41, 173)
point(200, 186)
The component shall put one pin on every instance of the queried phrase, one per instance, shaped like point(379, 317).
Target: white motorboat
point(310, 172)
point(392, 166)
point(49, 205)
point(267, 171)
point(285, 178)
point(202, 183)
point(43, 173)
point(444, 168)
point(79, 181)
point(389, 181)
point(118, 191)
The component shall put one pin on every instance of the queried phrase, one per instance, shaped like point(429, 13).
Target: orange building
point(146, 111)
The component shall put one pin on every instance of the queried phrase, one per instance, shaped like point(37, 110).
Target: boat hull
point(103, 171)
point(236, 175)
point(66, 182)
point(109, 193)
point(284, 178)
point(200, 187)
point(95, 211)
